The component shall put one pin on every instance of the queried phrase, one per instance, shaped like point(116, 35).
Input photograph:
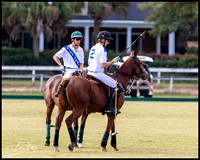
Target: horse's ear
point(135, 53)
point(132, 53)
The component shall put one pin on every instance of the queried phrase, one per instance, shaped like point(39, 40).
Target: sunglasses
point(78, 39)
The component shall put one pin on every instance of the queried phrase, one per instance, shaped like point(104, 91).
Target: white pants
point(104, 78)
point(69, 73)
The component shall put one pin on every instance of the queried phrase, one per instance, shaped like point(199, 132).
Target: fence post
point(33, 76)
point(41, 82)
point(171, 84)
point(158, 79)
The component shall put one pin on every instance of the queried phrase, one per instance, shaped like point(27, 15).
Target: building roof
point(133, 13)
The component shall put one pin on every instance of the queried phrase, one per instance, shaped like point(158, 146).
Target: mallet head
point(114, 133)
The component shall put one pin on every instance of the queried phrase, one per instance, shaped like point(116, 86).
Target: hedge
point(21, 56)
point(176, 61)
point(192, 50)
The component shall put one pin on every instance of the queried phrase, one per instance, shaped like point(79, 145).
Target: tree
point(172, 16)
point(39, 17)
point(101, 10)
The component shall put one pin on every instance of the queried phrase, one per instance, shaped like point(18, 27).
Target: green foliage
point(177, 61)
point(5, 10)
point(16, 56)
point(192, 50)
point(68, 9)
point(21, 56)
point(37, 16)
point(171, 16)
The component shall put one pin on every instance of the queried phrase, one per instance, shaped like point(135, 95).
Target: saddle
point(109, 90)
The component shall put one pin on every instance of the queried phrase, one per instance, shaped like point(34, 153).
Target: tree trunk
point(36, 46)
point(97, 24)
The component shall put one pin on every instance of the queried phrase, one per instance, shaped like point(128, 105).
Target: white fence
point(57, 68)
point(173, 70)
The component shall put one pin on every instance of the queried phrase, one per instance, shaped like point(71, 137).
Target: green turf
point(146, 130)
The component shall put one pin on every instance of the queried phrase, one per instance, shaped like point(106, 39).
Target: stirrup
point(111, 111)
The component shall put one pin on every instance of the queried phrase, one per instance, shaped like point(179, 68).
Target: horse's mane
point(113, 68)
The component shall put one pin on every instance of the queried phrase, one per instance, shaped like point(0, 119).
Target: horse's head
point(139, 70)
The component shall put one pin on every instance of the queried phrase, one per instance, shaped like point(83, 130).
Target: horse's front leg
point(82, 127)
point(76, 131)
point(59, 118)
point(49, 110)
point(106, 134)
point(113, 138)
point(69, 120)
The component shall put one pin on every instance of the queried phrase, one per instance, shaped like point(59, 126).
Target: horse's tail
point(65, 83)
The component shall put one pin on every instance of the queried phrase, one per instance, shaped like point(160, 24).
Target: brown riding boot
point(59, 90)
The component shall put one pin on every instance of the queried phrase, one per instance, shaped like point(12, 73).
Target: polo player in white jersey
point(97, 61)
point(73, 57)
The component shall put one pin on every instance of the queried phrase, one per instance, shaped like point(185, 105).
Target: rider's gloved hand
point(80, 72)
point(62, 70)
point(116, 59)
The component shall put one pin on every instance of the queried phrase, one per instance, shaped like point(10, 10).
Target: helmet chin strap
point(102, 42)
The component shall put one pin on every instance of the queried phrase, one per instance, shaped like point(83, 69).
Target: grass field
point(146, 130)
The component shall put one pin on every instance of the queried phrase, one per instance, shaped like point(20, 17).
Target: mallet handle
point(132, 43)
point(115, 108)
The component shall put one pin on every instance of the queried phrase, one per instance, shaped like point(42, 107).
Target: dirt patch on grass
point(178, 91)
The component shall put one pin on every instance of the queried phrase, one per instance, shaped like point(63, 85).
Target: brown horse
point(49, 91)
point(84, 94)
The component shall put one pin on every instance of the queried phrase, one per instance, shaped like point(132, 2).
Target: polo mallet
point(114, 133)
point(132, 43)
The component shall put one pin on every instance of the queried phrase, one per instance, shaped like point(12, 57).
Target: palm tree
point(101, 10)
point(38, 17)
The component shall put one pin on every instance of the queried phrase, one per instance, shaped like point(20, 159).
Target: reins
point(133, 77)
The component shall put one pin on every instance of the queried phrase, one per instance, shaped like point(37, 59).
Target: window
point(54, 43)
point(27, 40)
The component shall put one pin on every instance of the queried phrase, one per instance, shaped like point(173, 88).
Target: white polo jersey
point(67, 58)
point(97, 55)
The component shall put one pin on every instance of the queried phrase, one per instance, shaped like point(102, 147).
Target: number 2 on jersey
point(92, 53)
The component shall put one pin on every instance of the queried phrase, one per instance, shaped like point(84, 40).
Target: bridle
point(132, 77)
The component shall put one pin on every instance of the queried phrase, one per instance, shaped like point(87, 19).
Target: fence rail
point(172, 70)
point(57, 68)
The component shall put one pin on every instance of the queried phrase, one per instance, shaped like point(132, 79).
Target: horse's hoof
point(46, 143)
point(71, 147)
point(115, 149)
point(56, 149)
point(80, 145)
point(76, 146)
point(103, 150)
